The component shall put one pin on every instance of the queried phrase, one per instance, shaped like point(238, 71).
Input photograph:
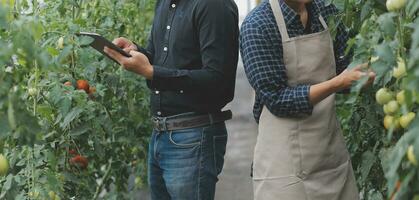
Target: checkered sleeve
point(263, 63)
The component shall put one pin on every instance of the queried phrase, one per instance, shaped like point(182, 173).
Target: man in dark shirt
point(190, 66)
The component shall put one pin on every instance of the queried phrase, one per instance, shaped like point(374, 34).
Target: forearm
point(322, 90)
point(192, 80)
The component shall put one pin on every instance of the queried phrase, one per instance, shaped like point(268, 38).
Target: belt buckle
point(160, 123)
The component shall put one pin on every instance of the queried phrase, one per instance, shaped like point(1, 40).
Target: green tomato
point(391, 107)
point(411, 155)
point(52, 195)
point(33, 195)
point(395, 5)
point(400, 70)
point(374, 59)
point(386, 111)
point(4, 165)
point(32, 91)
point(383, 96)
point(401, 98)
point(406, 119)
point(60, 43)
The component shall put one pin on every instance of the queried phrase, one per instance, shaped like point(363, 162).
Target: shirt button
point(165, 49)
point(157, 92)
point(168, 27)
point(173, 5)
point(181, 91)
point(158, 113)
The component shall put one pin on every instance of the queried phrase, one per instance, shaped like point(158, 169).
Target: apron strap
point(280, 21)
point(323, 22)
point(276, 9)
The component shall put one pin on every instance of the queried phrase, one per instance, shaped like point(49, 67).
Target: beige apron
point(304, 158)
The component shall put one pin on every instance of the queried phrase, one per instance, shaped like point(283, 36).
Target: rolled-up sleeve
point(266, 73)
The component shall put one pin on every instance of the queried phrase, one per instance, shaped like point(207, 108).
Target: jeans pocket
point(186, 138)
point(220, 144)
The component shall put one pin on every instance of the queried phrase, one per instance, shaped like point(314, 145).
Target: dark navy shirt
point(194, 49)
point(262, 53)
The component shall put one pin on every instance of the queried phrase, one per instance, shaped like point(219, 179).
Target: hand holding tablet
point(99, 43)
point(133, 61)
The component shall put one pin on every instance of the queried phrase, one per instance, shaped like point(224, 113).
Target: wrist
point(337, 84)
point(148, 72)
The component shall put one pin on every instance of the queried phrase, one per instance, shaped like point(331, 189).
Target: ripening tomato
point(391, 122)
point(83, 85)
point(406, 119)
point(79, 161)
point(411, 155)
point(4, 165)
point(92, 90)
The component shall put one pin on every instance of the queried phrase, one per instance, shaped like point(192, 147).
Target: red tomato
point(79, 161)
point(83, 85)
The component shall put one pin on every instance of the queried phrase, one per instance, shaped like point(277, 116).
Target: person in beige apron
point(304, 158)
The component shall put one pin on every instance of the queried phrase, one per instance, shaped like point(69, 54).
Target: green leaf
point(70, 117)
point(360, 84)
point(53, 51)
point(366, 10)
point(368, 160)
point(80, 130)
point(412, 7)
point(4, 124)
point(85, 40)
point(387, 24)
point(8, 184)
point(65, 105)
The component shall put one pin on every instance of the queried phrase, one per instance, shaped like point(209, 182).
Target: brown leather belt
point(189, 120)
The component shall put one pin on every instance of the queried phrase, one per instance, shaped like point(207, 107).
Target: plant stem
point(105, 178)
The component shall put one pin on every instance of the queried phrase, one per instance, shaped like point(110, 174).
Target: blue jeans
point(184, 164)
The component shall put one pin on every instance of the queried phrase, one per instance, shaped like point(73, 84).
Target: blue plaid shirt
point(262, 54)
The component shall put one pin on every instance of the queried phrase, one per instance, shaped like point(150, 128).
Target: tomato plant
point(381, 124)
point(56, 141)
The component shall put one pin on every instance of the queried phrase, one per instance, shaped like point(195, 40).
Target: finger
point(116, 41)
point(119, 42)
point(364, 66)
point(134, 53)
point(128, 49)
point(360, 67)
point(115, 55)
point(372, 74)
point(359, 74)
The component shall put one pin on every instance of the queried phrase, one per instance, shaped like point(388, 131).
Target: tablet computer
point(100, 42)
